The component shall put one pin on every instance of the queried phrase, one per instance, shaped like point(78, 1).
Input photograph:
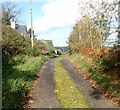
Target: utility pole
point(119, 22)
point(31, 23)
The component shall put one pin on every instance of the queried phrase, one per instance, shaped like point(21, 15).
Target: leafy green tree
point(84, 35)
point(29, 32)
point(73, 43)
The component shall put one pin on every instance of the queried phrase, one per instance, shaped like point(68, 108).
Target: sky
point(52, 19)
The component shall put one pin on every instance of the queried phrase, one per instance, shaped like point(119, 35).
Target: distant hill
point(63, 49)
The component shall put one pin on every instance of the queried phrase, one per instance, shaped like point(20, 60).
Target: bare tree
point(9, 13)
point(102, 13)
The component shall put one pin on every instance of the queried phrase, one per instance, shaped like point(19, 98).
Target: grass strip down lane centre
point(66, 90)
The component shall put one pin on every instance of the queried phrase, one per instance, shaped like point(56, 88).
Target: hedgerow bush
point(13, 43)
point(109, 62)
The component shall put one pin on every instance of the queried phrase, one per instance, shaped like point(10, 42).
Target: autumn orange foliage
point(107, 56)
point(94, 52)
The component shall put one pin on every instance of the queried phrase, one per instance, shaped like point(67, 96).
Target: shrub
point(109, 62)
point(14, 43)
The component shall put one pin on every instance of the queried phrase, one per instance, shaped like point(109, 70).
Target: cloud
point(58, 36)
point(57, 14)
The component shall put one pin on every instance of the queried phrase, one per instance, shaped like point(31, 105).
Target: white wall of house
point(13, 25)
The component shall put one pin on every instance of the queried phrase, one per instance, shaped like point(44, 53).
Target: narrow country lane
point(44, 95)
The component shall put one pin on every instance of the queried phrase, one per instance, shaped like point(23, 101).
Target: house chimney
point(13, 25)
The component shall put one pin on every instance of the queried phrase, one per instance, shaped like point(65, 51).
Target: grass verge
point(106, 80)
point(18, 77)
point(66, 90)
